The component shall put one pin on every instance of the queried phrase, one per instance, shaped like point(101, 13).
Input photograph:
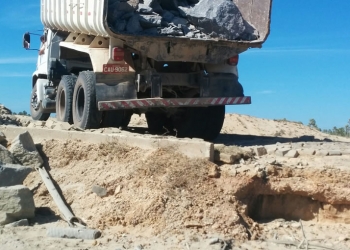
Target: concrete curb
point(193, 148)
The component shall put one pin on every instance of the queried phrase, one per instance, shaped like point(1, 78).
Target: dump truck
point(173, 60)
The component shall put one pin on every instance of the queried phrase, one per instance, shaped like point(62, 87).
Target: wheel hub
point(34, 102)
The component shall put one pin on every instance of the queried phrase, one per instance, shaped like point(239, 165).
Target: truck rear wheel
point(158, 122)
point(214, 116)
point(64, 99)
point(36, 109)
point(116, 118)
point(155, 122)
point(85, 112)
point(204, 123)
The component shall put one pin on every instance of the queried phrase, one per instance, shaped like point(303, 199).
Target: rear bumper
point(171, 103)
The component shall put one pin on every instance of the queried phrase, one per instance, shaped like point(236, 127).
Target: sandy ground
point(163, 200)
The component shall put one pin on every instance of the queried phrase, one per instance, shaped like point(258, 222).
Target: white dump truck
point(174, 60)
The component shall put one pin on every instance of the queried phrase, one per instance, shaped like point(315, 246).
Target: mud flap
point(220, 85)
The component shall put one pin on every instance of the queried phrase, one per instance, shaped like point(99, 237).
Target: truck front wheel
point(85, 112)
point(64, 99)
point(36, 109)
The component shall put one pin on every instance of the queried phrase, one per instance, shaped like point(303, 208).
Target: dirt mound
point(163, 192)
point(165, 195)
point(160, 190)
point(249, 125)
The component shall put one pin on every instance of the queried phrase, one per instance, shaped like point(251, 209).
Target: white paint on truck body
point(79, 16)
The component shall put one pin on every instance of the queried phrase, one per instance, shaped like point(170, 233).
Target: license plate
point(115, 69)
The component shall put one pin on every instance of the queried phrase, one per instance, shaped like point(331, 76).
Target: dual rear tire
point(84, 108)
point(203, 122)
point(64, 99)
point(76, 104)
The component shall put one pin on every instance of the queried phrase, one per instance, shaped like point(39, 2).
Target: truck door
point(43, 58)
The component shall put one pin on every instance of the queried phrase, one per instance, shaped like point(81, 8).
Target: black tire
point(64, 99)
point(85, 112)
point(116, 118)
point(204, 123)
point(156, 122)
point(36, 109)
point(215, 120)
point(127, 117)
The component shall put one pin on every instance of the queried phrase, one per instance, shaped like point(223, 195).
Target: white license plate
point(115, 69)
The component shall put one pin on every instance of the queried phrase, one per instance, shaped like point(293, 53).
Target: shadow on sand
point(251, 140)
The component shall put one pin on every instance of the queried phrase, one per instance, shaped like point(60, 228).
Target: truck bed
point(91, 17)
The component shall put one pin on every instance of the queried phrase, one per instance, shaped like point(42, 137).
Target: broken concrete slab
point(3, 140)
point(225, 158)
point(281, 152)
point(5, 156)
point(191, 148)
point(25, 152)
point(50, 123)
point(322, 152)
point(307, 151)
point(11, 175)
point(334, 152)
point(292, 154)
point(63, 126)
point(16, 203)
point(270, 149)
point(346, 152)
point(260, 151)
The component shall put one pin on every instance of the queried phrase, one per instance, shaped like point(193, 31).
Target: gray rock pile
point(16, 200)
point(309, 147)
point(4, 110)
point(25, 152)
point(7, 118)
point(201, 19)
point(16, 203)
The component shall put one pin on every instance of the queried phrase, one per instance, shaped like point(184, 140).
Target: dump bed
point(170, 40)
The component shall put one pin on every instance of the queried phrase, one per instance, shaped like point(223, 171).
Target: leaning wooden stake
point(73, 221)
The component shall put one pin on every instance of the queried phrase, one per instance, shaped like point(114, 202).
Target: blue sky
point(302, 71)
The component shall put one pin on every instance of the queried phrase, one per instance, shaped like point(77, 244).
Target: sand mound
point(160, 190)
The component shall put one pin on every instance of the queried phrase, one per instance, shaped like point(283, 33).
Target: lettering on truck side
point(115, 69)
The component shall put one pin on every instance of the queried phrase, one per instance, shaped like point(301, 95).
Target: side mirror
point(26, 40)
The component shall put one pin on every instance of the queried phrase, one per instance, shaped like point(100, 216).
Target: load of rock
point(201, 19)
point(16, 201)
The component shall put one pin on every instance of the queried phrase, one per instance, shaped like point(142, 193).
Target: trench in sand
point(293, 206)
